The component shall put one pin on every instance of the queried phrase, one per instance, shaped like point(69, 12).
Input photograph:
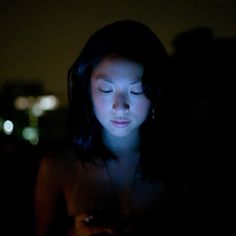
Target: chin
point(120, 133)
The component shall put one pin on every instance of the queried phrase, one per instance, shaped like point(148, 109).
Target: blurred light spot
point(31, 101)
point(37, 104)
point(8, 127)
point(30, 134)
point(37, 110)
point(49, 102)
point(21, 103)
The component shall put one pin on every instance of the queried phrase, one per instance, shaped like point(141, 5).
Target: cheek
point(100, 104)
point(143, 107)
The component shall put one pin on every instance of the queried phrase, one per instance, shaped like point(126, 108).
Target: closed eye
point(136, 93)
point(105, 90)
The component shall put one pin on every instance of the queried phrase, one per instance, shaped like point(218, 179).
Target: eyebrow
point(106, 78)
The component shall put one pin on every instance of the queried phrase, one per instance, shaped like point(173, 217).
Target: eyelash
point(136, 93)
point(109, 91)
point(105, 91)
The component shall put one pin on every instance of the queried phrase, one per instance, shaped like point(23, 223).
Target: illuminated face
point(117, 96)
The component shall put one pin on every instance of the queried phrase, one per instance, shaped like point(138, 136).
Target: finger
point(83, 225)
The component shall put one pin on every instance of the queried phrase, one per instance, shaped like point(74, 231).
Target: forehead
point(111, 68)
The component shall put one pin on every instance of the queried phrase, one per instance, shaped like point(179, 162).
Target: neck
point(121, 146)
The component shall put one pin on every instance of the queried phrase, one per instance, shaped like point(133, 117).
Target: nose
point(120, 103)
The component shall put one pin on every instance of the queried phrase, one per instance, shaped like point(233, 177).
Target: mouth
point(120, 123)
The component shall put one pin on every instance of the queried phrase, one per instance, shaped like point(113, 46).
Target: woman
point(115, 179)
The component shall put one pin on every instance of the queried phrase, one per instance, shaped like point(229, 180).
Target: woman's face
point(117, 96)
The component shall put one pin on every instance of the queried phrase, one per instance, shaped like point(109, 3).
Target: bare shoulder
point(51, 165)
point(64, 169)
point(55, 169)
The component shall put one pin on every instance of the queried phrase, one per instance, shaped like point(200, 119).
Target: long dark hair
point(137, 42)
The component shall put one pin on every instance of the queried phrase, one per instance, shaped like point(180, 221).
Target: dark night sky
point(40, 39)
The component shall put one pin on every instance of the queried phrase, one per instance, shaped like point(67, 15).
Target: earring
point(153, 114)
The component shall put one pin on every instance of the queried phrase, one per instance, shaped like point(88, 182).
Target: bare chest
point(109, 188)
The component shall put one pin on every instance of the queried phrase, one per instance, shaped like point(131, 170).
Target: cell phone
point(106, 217)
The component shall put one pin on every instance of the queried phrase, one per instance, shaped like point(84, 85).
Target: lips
point(120, 123)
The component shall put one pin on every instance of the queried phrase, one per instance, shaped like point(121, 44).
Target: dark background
point(39, 41)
